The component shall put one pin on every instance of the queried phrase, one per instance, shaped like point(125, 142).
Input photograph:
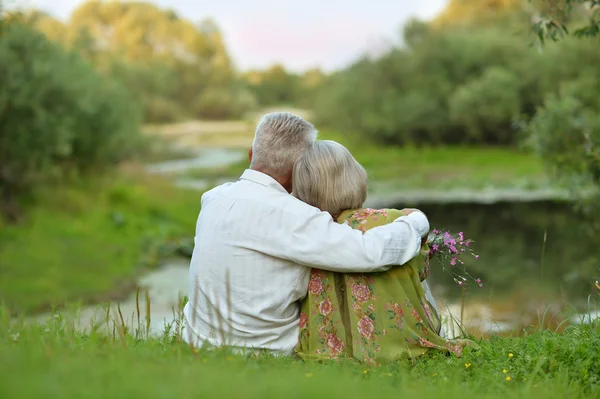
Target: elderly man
point(255, 244)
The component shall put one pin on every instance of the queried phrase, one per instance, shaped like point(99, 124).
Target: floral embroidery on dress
point(401, 321)
point(322, 316)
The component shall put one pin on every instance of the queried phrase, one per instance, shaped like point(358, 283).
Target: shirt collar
point(262, 179)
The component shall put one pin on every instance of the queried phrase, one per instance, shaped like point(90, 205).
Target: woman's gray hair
point(328, 177)
point(280, 139)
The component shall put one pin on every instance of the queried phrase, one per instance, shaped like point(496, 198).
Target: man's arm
point(318, 241)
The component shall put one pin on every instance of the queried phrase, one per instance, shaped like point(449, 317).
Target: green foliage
point(56, 113)
point(175, 68)
point(54, 361)
point(462, 78)
point(564, 131)
point(558, 14)
point(486, 106)
point(219, 103)
point(449, 86)
point(566, 134)
point(275, 86)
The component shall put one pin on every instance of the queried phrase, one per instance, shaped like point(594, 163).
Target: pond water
point(533, 247)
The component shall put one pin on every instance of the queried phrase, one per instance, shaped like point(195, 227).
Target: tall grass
point(114, 359)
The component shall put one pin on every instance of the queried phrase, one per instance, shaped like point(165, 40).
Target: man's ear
point(250, 155)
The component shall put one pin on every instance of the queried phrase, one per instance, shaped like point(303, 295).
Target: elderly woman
point(375, 318)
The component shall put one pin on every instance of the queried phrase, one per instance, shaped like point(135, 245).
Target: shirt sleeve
point(318, 241)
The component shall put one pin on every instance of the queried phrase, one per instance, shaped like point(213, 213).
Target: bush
point(56, 113)
point(566, 134)
point(433, 90)
point(223, 103)
point(486, 106)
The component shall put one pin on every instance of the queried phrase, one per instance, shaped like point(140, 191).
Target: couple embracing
point(286, 260)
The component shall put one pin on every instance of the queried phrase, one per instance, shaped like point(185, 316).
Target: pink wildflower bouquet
point(449, 250)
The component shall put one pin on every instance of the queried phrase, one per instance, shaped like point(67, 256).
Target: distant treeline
point(74, 94)
point(176, 68)
point(466, 77)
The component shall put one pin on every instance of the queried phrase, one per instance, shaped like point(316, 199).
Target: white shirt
point(254, 247)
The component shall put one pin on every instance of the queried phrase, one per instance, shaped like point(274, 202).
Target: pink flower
point(334, 344)
point(325, 307)
point(318, 273)
point(436, 232)
point(303, 320)
point(476, 256)
point(315, 286)
point(366, 327)
point(398, 310)
point(361, 292)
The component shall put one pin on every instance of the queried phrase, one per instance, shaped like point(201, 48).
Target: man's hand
point(408, 211)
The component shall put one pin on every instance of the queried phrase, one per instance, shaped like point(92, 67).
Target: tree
point(565, 129)
point(56, 114)
point(176, 68)
point(555, 15)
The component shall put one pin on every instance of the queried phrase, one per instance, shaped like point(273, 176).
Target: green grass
point(52, 361)
point(445, 167)
point(88, 241)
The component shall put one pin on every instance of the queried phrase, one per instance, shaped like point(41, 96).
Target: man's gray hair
point(280, 139)
point(328, 177)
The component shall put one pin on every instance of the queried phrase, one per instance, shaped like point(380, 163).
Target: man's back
point(239, 295)
point(254, 247)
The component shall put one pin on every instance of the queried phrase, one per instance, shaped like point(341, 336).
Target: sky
point(300, 34)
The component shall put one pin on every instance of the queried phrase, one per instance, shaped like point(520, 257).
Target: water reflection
point(515, 257)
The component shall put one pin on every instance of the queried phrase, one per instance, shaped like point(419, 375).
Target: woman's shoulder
point(369, 216)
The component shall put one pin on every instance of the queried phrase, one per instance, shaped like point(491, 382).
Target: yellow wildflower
point(365, 371)
point(510, 355)
point(508, 378)
point(505, 371)
point(467, 365)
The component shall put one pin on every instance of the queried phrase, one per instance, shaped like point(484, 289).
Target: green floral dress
point(375, 318)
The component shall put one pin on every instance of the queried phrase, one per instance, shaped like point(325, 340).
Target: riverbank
point(87, 241)
point(471, 174)
point(53, 361)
